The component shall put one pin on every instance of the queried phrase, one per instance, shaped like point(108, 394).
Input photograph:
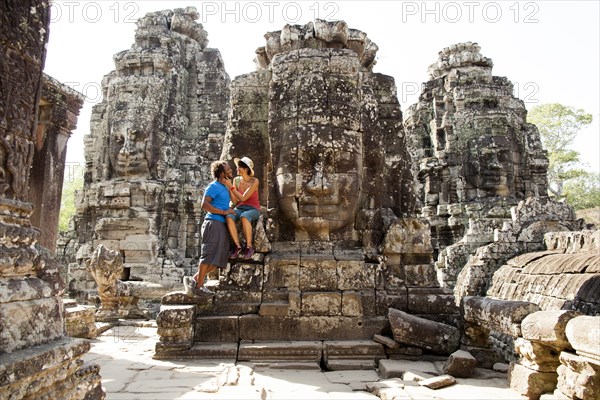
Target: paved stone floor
point(129, 372)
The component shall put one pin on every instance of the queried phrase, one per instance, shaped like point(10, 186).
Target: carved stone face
point(130, 143)
point(492, 165)
point(318, 178)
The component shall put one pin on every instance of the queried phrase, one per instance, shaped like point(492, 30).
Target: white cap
point(246, 161)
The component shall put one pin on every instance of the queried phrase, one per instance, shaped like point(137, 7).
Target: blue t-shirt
point(220, 195)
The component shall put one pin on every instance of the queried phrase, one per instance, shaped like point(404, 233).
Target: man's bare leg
point(203, 270)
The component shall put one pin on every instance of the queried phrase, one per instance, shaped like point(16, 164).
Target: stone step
point(217, 328)
point(281, 351)
point(200, 350)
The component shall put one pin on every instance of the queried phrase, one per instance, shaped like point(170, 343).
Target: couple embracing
point(220, 220)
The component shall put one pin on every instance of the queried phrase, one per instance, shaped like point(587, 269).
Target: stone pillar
point(543, 339)
point(579, 374)
point(57, 118)
point(36, 361)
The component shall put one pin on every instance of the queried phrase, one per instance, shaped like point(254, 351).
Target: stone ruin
point(159, 126)
point(351, 225)
point(474, 155)
point(339, 201)
point(37, 115)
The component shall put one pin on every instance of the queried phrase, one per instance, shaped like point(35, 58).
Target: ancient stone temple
point(326, 136)
point(474, 155)
point(36, 359)
point(160, 124)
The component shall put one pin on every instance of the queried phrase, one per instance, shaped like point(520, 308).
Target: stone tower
point(326, 137)
point(474, 154)
point(160, 124)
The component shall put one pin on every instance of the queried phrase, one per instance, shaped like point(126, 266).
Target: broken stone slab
point(416, 376)
point(377, 386)
point(530, 383)
point(460, 364)
point(386, 341)
point(583, 333)
point(438, 382)
point(398, 368)
point(578, 377)
point(548, 327)
point(349, 365)
point(420, 332)
point(497, 315)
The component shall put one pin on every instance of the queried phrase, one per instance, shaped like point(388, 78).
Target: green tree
point(558, 126)
point(583, 192)
point(73, 181)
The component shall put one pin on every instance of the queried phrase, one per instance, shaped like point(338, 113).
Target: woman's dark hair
point(241, 164)
point(217, 168)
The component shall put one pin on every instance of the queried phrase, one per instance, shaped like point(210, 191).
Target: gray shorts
point(215, 244)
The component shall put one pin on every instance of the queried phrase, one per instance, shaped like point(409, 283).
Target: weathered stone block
point(266, 328)
point(353, 275)
point(423, 333)
point(353, 349)
point(548, 327)
point(29, 323)
point(431, 301)
point(537, 356)
point(281, 309)
point(318, 275)
point(175, 316)
point(216, 329)
point(578, 377)
point(460, 364)
point(438, 382)
point(499, 315)
point(321, 303)
point(281, 275)
point(423, 275)
point(530, 383)
point(396, 299)
point(51, 370)
point(583, 333)
point(80, 321)
point(248, 277)
point(280, 351)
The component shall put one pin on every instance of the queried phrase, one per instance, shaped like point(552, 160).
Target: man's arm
point(207, 206)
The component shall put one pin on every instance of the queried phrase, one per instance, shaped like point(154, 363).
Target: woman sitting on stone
point(244, 196)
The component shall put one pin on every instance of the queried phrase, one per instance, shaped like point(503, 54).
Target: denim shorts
point(245, 211)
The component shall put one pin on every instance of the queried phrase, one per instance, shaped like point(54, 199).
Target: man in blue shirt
point(214, 251)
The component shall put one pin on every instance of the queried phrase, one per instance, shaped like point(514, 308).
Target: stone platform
point(129, 371)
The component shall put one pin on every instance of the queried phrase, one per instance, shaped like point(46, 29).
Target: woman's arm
point(246, 195)
point(232, 188)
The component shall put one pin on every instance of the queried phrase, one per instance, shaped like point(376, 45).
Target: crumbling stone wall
point(474, 155)
point(159, 126)
point(36, 360)
point(563, 277)
point(530, 220)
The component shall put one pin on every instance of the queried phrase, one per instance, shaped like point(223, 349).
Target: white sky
point(548, 49)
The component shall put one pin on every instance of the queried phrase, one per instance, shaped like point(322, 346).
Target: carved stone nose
point(318, 185)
